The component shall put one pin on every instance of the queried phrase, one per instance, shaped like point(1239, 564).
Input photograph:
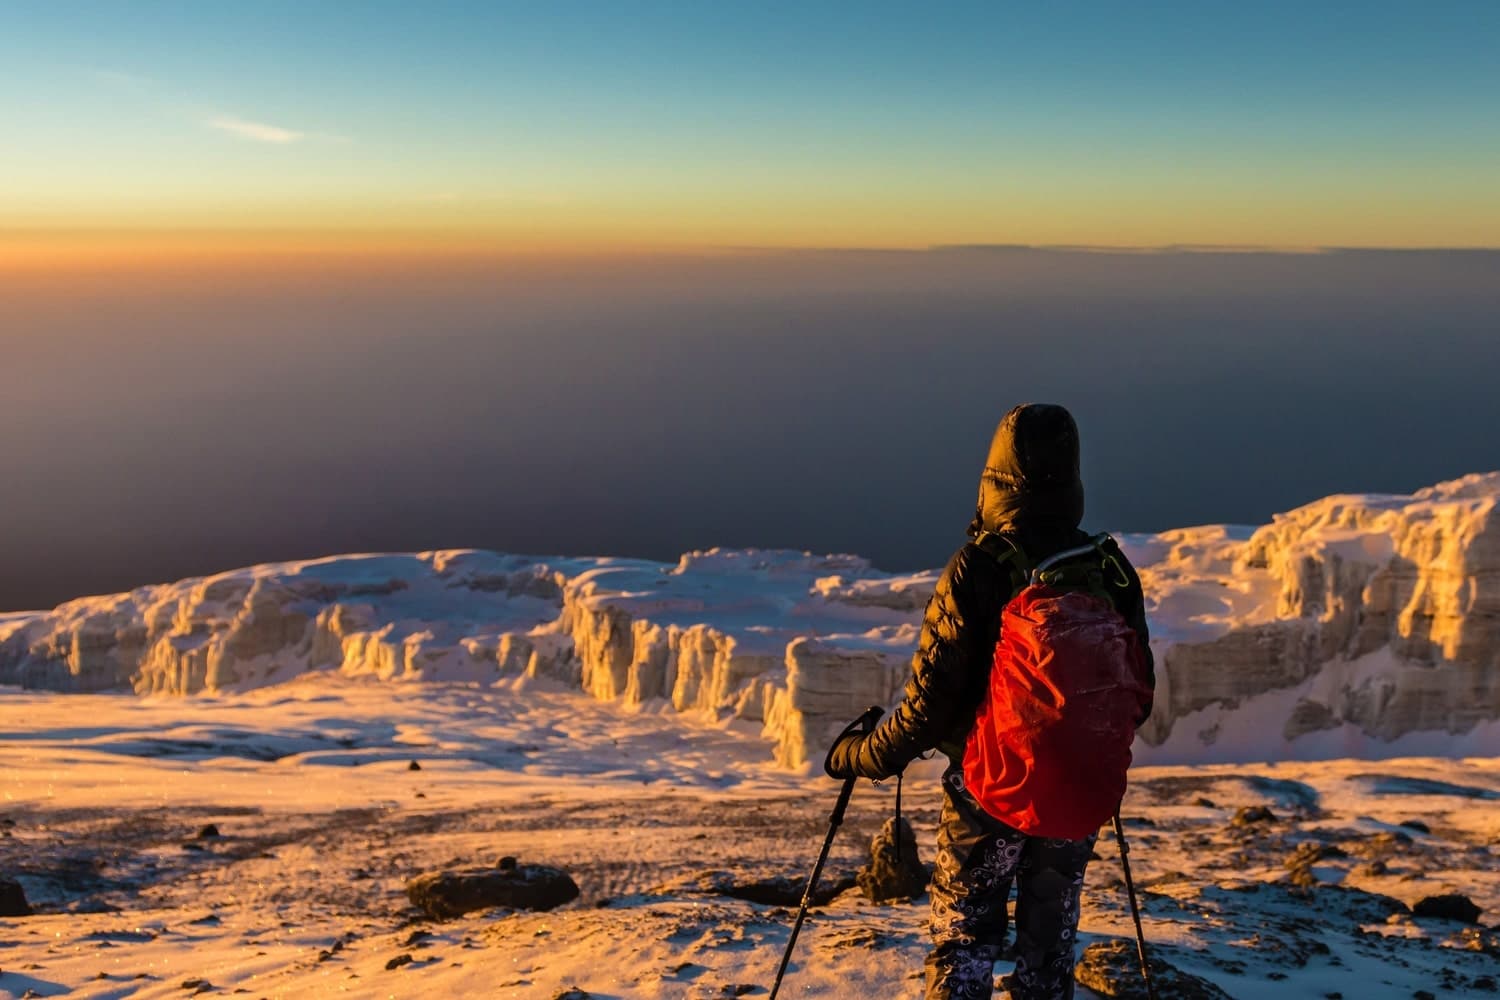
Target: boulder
point(1453, 906)
point(895, 871)
point(1112, 969)
point(448, 894)
point(13, 899)
point(1252, 815)
point(770, 890)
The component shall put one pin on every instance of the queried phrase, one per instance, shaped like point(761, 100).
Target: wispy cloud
point(256, 131)
point(124, 81)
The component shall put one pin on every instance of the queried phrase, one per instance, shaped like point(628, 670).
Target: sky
point(281, 280)
point(188, 127)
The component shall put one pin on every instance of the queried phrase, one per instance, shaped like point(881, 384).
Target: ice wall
point(792, 642)
point(1368, 615)
point(1344, 625)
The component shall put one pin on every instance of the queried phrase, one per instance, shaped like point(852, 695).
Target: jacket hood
point(1031, 481)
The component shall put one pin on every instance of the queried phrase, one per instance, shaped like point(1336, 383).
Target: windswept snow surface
point(322, 821)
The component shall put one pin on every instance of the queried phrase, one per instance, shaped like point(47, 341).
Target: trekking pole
point(863, 724)
point(1135, 909)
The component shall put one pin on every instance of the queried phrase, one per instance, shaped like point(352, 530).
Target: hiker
point(1030, 507)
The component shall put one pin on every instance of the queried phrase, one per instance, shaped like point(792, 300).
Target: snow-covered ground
point(322, 821)
point(648, 726)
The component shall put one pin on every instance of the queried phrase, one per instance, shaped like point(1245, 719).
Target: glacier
point(1356, 625)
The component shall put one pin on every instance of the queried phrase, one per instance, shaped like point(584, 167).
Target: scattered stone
point(13, 899)
point(208, 832)
point(449, 894)
point(1172, 877)
point(415, 939)
point(737, 989)
point(1308, 853)
point(573, 993)
point(1452, 906)
point(1111, 969)
point(1377, 867)
point(1417, 825)
point(895, 871)
point(414, 766)
point(402, 959)
point(1252, 815)
point(1204, 802)
point(506, 864)
point(197, 985)
point(1423, 995)
point(1486, 983)
point(421, 795)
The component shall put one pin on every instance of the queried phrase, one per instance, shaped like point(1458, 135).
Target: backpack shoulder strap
point(1008, 553)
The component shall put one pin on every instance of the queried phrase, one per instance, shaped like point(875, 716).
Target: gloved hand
point(843, 758)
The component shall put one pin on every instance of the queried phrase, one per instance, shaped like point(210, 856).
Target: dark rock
point(895, 871)
point(1423, 995)
point(506, 864)
point(775, 890)
point(1356, 904)
point(1377, 867)
point(1486, 983)
point(573, 993)
point(1111, 969)
point(1204, 802)
point(197, 985)
point(208, 832)
point(445, 895)
point(1417, 825)
point(1308, 853)
point(1252, 815)
point(737, 989)
point(414, 766)
point(1453, 906)
point(13, 899)
point(402, 959)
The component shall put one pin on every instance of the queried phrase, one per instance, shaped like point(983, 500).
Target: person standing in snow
point(1031, 501)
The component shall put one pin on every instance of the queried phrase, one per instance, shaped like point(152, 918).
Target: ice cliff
point(1353, 625)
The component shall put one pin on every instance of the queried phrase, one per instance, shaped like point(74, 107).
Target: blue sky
point(1350, 123)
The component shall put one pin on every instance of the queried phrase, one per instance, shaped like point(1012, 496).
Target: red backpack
point(1051, 742)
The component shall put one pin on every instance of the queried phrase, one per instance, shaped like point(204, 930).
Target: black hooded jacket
point(1031, 493)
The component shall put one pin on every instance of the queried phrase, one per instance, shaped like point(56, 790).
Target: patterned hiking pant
point(977, 857)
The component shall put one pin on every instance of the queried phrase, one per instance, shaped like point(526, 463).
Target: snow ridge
point(1364, 625)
